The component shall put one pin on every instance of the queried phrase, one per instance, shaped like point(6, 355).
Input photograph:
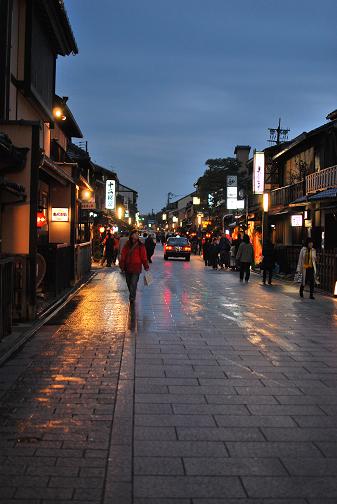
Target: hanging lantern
point(41, 219)
point(102, 229)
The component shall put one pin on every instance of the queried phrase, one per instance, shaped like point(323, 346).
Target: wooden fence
point(6, 296)
point(287, 258)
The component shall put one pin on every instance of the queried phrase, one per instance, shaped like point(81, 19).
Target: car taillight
point(187, 249)
point(169, 247)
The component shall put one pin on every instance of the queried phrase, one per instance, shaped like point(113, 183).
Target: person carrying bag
point(307, 266)
point(133, 259)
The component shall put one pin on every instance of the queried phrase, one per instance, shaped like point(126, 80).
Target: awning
point(10, 192)
point(55, 171)
point(12, 158)
point(327, 194)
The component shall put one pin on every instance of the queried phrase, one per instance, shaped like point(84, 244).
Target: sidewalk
point(212, 392)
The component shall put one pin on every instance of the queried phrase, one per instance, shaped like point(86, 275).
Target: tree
point(214, 180)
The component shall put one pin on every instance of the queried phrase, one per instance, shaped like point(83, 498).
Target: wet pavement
point(212, 391)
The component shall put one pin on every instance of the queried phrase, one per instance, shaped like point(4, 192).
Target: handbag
point(148, 279)
point(298, 278)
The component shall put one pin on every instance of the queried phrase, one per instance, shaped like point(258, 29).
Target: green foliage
point(214, 179)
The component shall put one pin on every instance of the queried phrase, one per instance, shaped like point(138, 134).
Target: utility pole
point(278, 135)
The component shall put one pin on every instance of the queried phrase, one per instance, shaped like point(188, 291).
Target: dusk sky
point(160, 86)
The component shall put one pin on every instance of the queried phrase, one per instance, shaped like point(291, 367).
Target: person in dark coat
point(214, 253)
point(224, 249)
point(150, 246)
point(268, 261)
point(109, 243)
point(206, 251)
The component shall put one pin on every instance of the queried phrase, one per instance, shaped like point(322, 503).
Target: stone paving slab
point(209, 392)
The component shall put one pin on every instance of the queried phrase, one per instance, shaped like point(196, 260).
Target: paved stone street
point(212, 392)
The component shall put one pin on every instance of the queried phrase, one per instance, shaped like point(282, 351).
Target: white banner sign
point(232, 192)
point(235, 204)
point(110, 194)
point(258, 173)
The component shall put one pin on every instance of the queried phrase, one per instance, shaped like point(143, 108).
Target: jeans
point(244, 269)
point(132, 282)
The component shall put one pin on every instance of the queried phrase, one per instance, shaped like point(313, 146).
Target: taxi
point(177, 246)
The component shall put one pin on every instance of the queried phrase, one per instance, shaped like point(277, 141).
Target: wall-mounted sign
point(90, 204)
point(174, 219)
point(235, 204)
point(110, 194)
point(60, 214)
point(232, 181)
point(41, 219)
point(210, 200)
point(196, 200)
point(232, 192)
point(296, 220)
point(258, 173)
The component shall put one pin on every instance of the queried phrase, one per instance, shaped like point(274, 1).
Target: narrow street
point(211, 392)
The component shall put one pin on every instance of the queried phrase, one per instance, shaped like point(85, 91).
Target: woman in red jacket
point(133, 258)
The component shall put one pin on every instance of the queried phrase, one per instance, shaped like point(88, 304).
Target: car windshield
point(178, 242)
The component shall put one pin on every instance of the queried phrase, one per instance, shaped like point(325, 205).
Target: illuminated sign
point(90, 204)
point(41, 219)
point(196, 200)
point(60, 214)
point(174, 219)
point(210, 200)
point(110, 194)
point(232, 192)
point(258, 173)
point(296, 220)
point(235, 204)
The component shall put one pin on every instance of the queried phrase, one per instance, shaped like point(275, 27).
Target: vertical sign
point(110, 194)
point(232, 194)
point(258, 173)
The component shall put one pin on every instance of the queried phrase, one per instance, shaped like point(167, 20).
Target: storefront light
point(86, 195)
point(58, 114)
point(120, 212)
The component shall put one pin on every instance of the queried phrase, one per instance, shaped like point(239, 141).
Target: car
point(177, 246)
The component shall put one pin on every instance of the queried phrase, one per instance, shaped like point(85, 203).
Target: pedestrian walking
point(206, 251)
point(245, 258)
point(116, 248)
point(214, 253)
point(268, 261)
point(132, 260)
point(233, 253)
point(224, 251)
point(122, 242)
point(150, 246)
point(307, 266)
point(109, 247)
